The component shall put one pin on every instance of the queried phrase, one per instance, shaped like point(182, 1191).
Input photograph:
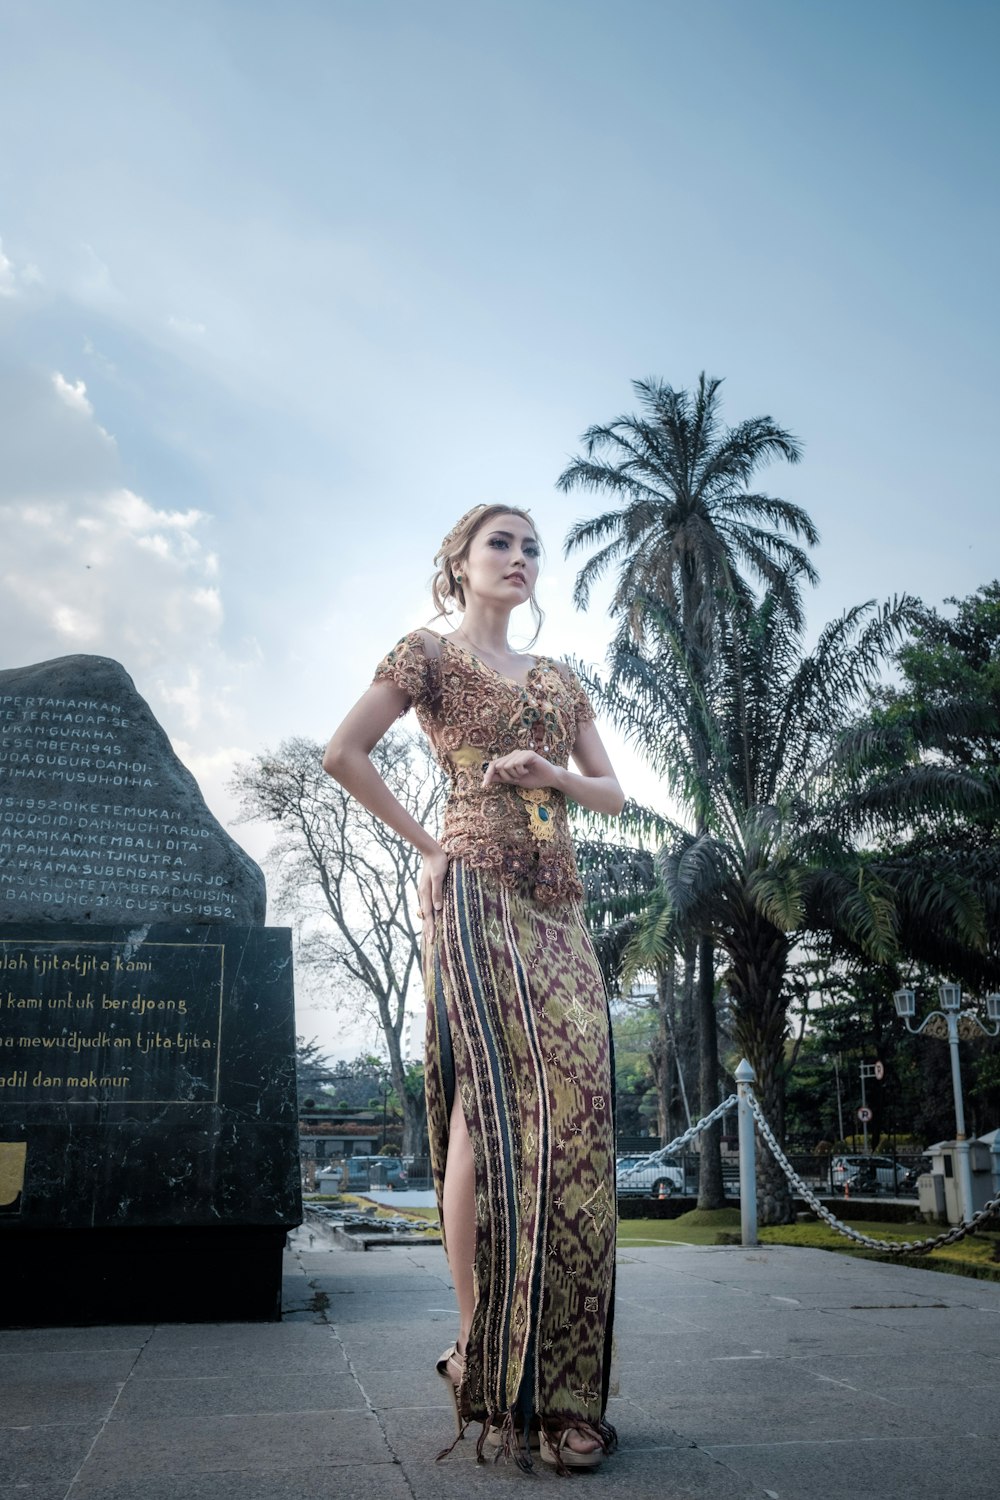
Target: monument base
point(70, 1277)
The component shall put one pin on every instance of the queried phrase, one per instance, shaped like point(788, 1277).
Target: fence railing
point(750, 1120)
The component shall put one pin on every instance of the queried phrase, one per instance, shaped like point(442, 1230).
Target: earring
point(458, 578)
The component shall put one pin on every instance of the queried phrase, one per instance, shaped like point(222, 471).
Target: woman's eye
point(498, 541)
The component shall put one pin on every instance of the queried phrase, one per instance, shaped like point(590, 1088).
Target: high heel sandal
point(560, 1456)
point(457, 1360)
point(495, 1438)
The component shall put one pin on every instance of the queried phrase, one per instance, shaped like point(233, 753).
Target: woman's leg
point(458, 1204)
point(459, 1207)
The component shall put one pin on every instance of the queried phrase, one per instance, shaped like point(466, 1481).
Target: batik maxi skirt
point(518, 1025)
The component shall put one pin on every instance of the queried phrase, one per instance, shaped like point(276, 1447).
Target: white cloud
point(209, 601)
point(187, 696)
point(76, 625)
point(137, 516)
point(107, 570)
point(13, 279)
point(8, 281)
point(96, 567)
point(73, 393)
point(188, 327)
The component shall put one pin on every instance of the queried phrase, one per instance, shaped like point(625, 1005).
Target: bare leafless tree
point(348, 881)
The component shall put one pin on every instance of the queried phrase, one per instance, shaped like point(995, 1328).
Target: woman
point(518, 1064)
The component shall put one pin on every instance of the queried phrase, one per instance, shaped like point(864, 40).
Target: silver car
point(653, 1176)
point(868, 1173)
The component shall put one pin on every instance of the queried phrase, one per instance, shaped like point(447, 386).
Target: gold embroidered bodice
point(471, 714)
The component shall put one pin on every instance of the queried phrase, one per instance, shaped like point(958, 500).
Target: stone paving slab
point(41, 1340)
point(777, 1374)
point(259, 1442)
point(383, 1481)
point(302, 1390)
point(848, 1469)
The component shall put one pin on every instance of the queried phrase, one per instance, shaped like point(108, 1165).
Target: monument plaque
point(99, 820)
point(100, 1023)
point(148, 1119)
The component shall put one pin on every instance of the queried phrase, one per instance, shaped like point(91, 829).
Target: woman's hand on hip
point(430, 889)
point(522, 768)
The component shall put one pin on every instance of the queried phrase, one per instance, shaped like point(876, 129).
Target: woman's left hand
point(522, 768)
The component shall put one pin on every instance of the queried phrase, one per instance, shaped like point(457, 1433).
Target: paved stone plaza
point(779, 1372)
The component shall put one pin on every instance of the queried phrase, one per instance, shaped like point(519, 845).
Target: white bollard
point(748, 1151)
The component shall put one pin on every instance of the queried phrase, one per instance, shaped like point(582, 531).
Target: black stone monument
point(148, 1123)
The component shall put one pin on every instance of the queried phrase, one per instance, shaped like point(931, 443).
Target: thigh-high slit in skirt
point(518, 1027)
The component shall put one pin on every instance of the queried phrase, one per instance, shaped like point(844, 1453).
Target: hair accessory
point(462, 520)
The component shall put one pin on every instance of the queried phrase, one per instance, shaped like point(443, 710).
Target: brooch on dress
point(541, 817)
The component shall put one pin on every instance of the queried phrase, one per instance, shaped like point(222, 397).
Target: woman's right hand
point(430, 890)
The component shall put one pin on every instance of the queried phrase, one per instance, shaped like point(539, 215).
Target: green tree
point(954, 661)
point(800, 811)
point(687, 531)
point(314, 1072)
point(945, 713)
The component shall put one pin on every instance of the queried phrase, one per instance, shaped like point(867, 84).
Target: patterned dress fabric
point(518, 1026)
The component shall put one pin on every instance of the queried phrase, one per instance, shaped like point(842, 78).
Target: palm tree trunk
point(687, 1045)
point(711, 1193)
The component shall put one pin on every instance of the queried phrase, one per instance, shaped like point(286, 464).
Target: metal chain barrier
point(894, 1247)
point(672, 1147)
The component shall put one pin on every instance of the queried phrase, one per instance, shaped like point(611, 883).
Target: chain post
point(679, 1142)
point(988, 1211)
point(749, 1111)
point(745, 1076)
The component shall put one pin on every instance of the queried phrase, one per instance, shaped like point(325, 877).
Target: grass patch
point(422, 1218)
point(973, 1256)
point(710, 1218)
point(698, 1226)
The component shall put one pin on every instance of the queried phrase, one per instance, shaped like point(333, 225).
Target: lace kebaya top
point(471, 714)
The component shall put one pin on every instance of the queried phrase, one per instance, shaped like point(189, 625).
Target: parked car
point(364, 1172)
point(651, 1176)
point(869, 1174)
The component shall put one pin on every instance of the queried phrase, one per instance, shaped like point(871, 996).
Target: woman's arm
point(595, 787)
point(347, 760)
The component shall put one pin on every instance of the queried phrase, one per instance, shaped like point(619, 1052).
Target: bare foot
point(579, 1442)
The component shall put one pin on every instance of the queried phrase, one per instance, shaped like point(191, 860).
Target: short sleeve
point(582, 705)
point(408, 666)
point(583, 709)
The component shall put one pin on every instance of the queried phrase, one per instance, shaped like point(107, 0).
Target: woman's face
point(501, 566)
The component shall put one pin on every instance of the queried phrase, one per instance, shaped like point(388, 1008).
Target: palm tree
point(803, 817)
point(686, 525)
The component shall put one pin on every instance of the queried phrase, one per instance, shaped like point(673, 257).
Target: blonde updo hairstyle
point(446, 588)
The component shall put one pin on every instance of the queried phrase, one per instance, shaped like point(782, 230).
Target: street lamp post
point(840, 1102)
point(953, 1024)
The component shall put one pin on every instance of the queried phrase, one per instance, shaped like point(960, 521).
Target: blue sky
point(283, 290)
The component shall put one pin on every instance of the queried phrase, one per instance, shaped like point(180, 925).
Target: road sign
point(864, 1114)
point(880, 1070)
